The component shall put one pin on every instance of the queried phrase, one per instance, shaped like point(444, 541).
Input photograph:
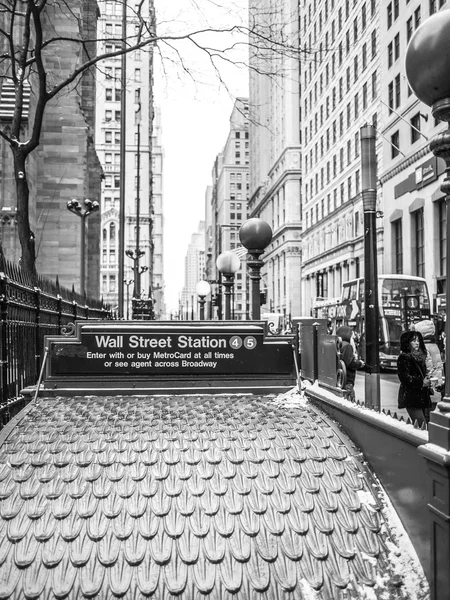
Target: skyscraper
point(135, 74)
point(275, 152)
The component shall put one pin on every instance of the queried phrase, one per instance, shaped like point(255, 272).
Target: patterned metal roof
point(189, 497)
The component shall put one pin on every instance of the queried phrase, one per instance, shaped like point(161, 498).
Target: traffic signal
point(262, 297)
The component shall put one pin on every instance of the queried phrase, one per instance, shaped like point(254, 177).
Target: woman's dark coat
point(411, 370)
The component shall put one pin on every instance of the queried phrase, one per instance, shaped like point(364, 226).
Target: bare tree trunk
point(26, 235)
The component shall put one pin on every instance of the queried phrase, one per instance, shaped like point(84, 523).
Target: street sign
point(129, 352)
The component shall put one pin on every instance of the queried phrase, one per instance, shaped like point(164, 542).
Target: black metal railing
point(29, 312)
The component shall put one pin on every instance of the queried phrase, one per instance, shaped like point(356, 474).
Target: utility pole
point(123, 107)
point(371, 305)
point(137, 278)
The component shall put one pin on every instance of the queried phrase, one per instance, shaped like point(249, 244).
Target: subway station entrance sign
point(168, 355)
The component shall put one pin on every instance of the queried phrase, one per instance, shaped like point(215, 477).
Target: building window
point(397, 47)
point(415, 128)
point(391, 97)
point(396, 9)
point(395, 144)
point(419, 253)
point(390, 54)
point(432, 7)
point(417, 18)
point(389, 15)
point(409, 29)
point(355, 68)
point(374, 85)
point(364, 96)
point(397, 240)
point(363, 17)
point(374, 43)
point(108, 94)
point(364, 57)
point(397, 91)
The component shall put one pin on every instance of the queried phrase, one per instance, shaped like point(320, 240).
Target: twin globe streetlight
point(255, 235)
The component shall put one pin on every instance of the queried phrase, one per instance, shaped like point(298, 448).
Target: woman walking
point(414, 392)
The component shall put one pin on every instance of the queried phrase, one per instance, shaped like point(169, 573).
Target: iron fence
point(28, 313)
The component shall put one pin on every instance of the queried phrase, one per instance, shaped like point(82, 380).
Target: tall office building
point(351, 73)
point(414, 219)
point(138, 198)
point(275, 152)
point(64, 165)
point(340, 89)
point(194, 271)
point(157, 280)
point(227, 209)
point(362, 81)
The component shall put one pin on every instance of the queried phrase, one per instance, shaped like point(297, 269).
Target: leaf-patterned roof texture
point(217, 497)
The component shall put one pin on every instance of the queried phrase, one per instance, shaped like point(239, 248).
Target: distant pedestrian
point(435, 367)
point(414, 391)
point(350, 358)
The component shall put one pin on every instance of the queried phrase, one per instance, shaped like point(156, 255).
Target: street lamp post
point(128, 282)
point(202, 289)
point(255, 235)
point(135, 257)
point(76, 208)
point(427, 65)
point(228, 263)
point(371, 304)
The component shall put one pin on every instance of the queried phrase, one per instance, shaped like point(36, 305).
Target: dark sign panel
point(118, 349)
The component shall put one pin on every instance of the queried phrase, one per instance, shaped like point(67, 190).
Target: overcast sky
point(195, 111)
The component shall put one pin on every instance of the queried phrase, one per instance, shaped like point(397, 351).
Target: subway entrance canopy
point(169, 357)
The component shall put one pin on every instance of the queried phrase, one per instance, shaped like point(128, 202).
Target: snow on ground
point(403, 557)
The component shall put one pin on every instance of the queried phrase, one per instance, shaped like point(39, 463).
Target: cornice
point(404, 164)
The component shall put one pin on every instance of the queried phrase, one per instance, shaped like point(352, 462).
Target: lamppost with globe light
point(90, 206)
point(255, 235)
point(427, 65)
point(202, 290)
point(228, 263)
point(135, 257)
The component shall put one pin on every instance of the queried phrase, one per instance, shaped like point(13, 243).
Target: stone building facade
point(65, 164)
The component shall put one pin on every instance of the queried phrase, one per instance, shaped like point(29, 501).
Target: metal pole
point(371, 308)
point(83, 254)
point(201, 301)
point(228, 285)
point(137, 279)
point(254, 265)
point(123, 106)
